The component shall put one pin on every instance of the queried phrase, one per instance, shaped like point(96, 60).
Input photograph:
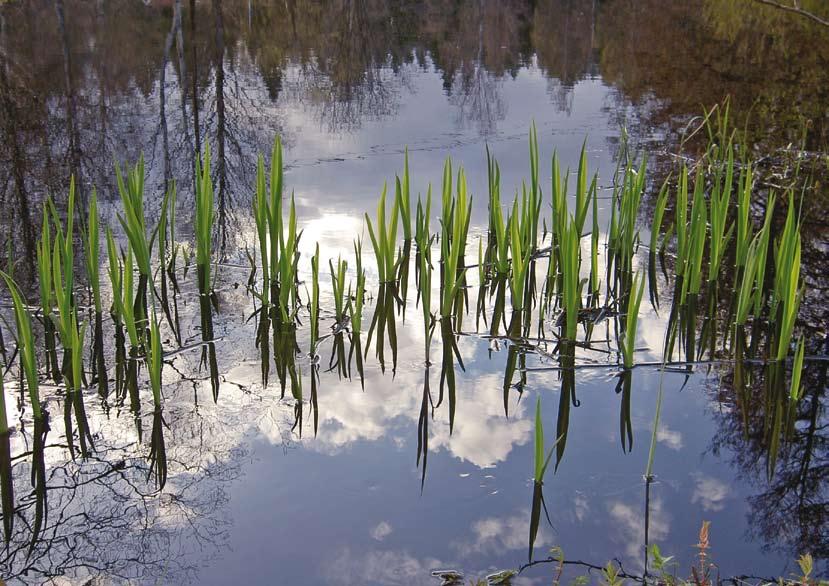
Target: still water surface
point(349, 86)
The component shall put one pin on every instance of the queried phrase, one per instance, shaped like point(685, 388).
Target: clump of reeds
point(787, 291)
point(456, 212)
point(631, 319)
point(384, 238)
point(93, 273)
point(25, 345)
point(204, 217)
point(44, 272)
point(134, 224)
point(315, 297)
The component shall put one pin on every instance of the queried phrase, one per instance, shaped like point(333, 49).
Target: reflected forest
point(394, 292)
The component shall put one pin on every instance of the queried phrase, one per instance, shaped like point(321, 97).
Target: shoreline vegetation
point(549, 279)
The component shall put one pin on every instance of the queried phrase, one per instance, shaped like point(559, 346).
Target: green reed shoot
point(76, 344)
point(584, 193)
point(534, 201)
point(743, 221)
point(261, 215)
point(315, 297)
point(696, 242)
point(594, 249)
point(762, 256)
point(287, 264)
point(570, 260)
point(631, 197)
point(521, 254)
point(746, 292)
point(455, 227)
point(44, 267)
point(45, 285)
point(796, 389)
point(658, 216)
point(384, 240)
point(681, 222)
point(205, 215)
point(404, 200)
point(116, 277)
point(124, 302)
point(360, 292)
point(426, 298)
point(503, 234)
point(628, 342)
point(786, 295)
point(423, 237)
point(134, 224)
point(720, 201)
point(494, 182)
point(338, 284)
point(541, 455)
point(155, 355)
point(25, 344)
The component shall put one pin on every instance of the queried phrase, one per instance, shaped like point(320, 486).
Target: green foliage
point(787, 292)
point(360, 290)
point(796, 390)
point(315, 297)
point(454, 221)
point(628, 342)
point(521, 254)
point(384, 239)
point(25, 344)
point(403, 199)
point(570, 261)
point(541, 455)
point(205, 215)
point(133, 220)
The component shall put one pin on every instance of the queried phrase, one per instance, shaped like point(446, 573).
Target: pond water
point(371, 480)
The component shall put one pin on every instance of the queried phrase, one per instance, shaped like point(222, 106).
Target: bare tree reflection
point(104, 519)
point(790, 512)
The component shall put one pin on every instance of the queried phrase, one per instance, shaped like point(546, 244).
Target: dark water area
point(369, 478)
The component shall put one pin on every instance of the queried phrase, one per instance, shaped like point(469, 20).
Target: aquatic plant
point(454, 220)
point(628, 342)
point(795, 389)
point(338, 284)
point(359, 291)
point(423, 236)
point(134, 224)
point(384, 239)
point(44, 272)
point(541, 455)
point(787, 293)
point(204, 217)
point(315, 297)
point(696, 241)
point(656, 228)
point(745, 185)
point(533, 199)
point(25, 344)
point(720, 202)
point(570, 261)
point(403, 199)
point(521, 254)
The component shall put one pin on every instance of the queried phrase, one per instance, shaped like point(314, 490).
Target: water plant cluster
point(549, 278)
